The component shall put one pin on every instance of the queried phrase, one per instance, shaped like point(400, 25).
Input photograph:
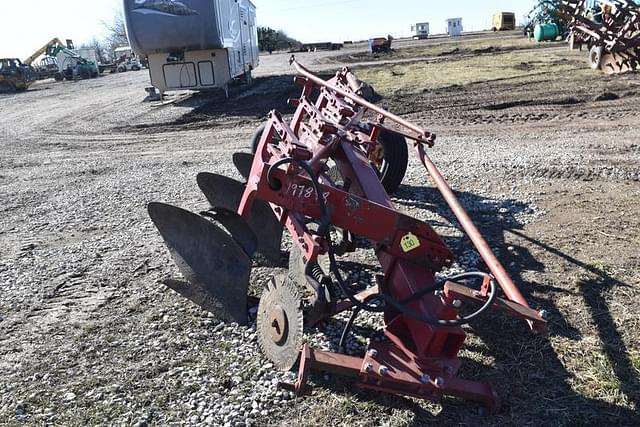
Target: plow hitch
point(325, 176)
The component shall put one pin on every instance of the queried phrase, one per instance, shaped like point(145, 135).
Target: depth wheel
point(279, 322)
point(257, 135)
point(391, 160)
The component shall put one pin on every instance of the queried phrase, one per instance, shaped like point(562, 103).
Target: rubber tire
point(85, 74)
point(396, 159)
point(595, 57)
point(257, 135)
point(394, 166)
point(58, 77)
point(7, 87)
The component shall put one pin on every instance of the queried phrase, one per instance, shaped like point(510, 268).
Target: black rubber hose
point(323, 230)
point(323, 227)
point(347, 329)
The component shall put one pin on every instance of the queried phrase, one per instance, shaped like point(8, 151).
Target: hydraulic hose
point(376, 303)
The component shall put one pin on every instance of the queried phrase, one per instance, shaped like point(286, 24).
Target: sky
point(305, 20)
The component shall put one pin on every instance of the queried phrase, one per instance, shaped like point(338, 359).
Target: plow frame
point(420, 359)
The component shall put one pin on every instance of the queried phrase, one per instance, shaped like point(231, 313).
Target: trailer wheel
point(391, 160)
point(595, 57)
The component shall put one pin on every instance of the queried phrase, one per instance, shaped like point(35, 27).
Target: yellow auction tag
point(409, 242)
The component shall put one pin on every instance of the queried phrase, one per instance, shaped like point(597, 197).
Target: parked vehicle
point(380, 44)
point(504, 21)
point(15, 76)
point(71, 65)
point(126, 59)
point(46, 68)
point(204, 45)
point(420, 30)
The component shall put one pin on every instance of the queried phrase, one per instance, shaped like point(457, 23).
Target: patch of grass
point(634, 358)
point(464, 70)
point(89, 328)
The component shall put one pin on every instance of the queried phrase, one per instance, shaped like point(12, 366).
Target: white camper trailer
point(194, 44)
point(454, 27)
point(420, 30)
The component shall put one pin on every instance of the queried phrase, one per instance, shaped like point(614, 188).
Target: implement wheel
point(595, 57)
point(391, 160)
point(257, 135)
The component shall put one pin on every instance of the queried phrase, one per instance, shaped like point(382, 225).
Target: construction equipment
point(380, 44)
point(15, 76)
point(47, 67)
point(610, 29)
point(503, 21)
point(71, 65)
point(545, 12)
point(42, 50)
point(316, 176)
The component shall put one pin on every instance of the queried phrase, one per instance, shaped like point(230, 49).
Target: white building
point(420, 30)
point(454, 27)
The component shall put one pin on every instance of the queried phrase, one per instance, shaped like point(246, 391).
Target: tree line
point(270, 40)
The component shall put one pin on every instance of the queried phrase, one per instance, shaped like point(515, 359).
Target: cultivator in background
point(544, 12)
point(611, 30)
point(325, 177)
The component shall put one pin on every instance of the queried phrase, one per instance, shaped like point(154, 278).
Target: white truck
point(420, 30)
point(194, 44)
point(126, 59)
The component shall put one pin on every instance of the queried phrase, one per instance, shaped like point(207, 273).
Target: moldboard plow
point(325, 177)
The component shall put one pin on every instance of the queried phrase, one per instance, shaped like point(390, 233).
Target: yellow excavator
point(48, 66)
point(53, 42)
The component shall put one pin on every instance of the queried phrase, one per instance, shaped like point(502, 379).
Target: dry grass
point(466, 69)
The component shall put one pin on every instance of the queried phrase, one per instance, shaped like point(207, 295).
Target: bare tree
point(99, 47)
point(116, 33)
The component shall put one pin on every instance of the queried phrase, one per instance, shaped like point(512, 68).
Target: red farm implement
point(325, 176)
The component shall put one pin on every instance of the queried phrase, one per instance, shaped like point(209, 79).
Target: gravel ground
point(89, 335)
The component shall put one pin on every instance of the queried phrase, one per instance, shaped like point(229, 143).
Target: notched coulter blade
point(215, 267)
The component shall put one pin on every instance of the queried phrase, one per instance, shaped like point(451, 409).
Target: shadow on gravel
point(245, 105)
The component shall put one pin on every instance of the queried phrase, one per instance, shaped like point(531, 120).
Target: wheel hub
point(279, 325)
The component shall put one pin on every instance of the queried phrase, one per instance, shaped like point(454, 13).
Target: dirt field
point(543, 152)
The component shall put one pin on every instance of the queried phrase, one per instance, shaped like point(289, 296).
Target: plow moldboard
point(225, 192)
point(215, 267)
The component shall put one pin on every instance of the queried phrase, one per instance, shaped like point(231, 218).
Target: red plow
point(325, 176)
